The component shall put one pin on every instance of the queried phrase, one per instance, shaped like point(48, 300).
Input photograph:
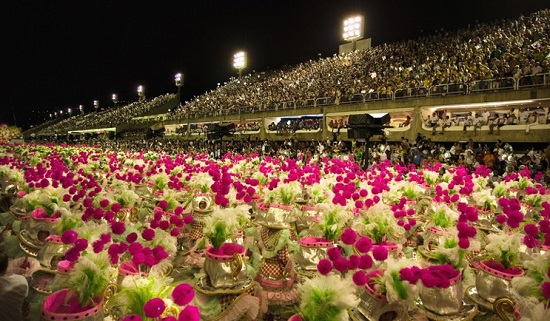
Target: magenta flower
point(324, 266)
point(118, 227)
point(132, 317)
point(69, 237)
point(334, 253)
point(148, 234)
point(348, 236)
point(341, 264)
point(154, 308)
point(72, 254)
point(360, 278)
point(104, 203)
point(115, 207)
point(183, 294)
point(380, 253)
point(364, 244)
point(81, 244)
point(190, 313)
point(132, 237)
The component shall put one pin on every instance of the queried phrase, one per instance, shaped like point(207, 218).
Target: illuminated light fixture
point(239, 60)
point(179, 79)
point(140, 90)
point(115, 98)
point(488, 104)
point(353, 28)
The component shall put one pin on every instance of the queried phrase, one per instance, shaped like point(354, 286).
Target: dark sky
point(57, 54)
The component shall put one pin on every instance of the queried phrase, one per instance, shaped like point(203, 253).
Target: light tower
point(239, 61)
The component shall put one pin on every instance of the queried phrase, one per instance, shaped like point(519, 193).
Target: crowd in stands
point(286, 126)
point(504, 50)
point(109, 118)
point(9, 132)
point(493, 119)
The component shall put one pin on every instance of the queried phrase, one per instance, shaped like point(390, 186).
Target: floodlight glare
point(179, 79)
point(239, 60)
point(353, 28)
point(140, 90)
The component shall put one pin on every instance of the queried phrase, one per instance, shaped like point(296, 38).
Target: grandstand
point(475, 76)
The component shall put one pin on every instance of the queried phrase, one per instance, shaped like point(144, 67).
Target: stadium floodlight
point(96, 105)
point(179, 82)
point(179, 79)
point(115, 99)
point(140, 92)
point(239, 61)
point(69, 110)
point(353, 28)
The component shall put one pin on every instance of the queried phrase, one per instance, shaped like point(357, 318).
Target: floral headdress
point(504, 248)
point(332, 220)
point(223, 223)
point(90, 277)
point(326, 298)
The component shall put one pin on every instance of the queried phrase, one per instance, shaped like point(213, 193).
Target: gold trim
point(504, 306)
point(27, 246)
point(205, 289)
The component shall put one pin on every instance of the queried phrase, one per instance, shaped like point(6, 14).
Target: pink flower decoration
point(115, 207)
point(118, 227)
point(183, 294)
point(72, 254)
point(132, 237)
point(364, 244)
point(341, 264)
point(348, 236)
point(190, 313)
point(531, 229)
point(188, 219)
point(365, 262)
point(334, 253)
point(380, 253)
point(132, 317)
point(104, 203)
point(359, 278)
point(69, 237)
point(154, 308)
point(81, 244)
point(324, 266)
point(545, 287)
point(148, 234)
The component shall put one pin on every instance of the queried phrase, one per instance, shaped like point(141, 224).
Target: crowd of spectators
point(108, 118)
point(499, 157)
point(503, 50)
point(9, 132)
point(289, 126)
point(494, 119)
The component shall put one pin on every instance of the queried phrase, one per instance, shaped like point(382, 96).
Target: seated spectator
point(446, 124)
point(14, 289)
point(433, 122)
point(407, 121)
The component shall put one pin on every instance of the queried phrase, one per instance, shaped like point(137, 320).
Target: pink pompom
point(364, 244)
point(190, 313)
point(154, 308)
point(69, 237)
point(324, 266)
point(132, 317)
point(348, 236)
point(365, 262)
point(183, 294)
point(359, 278)
point(380, 253)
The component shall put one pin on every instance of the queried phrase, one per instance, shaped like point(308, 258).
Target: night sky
point(57, 54)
